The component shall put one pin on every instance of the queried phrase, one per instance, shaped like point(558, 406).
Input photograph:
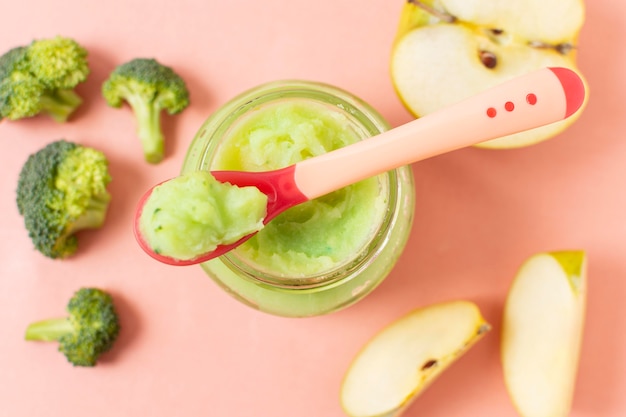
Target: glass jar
point(297, 287)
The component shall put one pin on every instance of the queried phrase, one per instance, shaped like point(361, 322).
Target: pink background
point(187, 348)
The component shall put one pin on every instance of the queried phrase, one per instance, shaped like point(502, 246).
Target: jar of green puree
point(325, 254)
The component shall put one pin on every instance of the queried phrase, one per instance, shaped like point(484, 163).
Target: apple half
point(448, 50)
point(541, 333)
point(401, 360)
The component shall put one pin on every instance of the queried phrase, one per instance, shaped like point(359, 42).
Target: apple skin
point(437, 56)
point(542, 332)
point(406, 356)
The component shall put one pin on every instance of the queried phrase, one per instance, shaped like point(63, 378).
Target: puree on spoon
point(193, 213)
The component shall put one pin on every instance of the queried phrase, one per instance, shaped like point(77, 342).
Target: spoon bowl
point(278, 185)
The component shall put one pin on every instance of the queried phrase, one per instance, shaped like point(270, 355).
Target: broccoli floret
point(60, 64)
point(148, 87)
point(90, 329)
point(41, 77)
point(61, 190)
point(20, 92)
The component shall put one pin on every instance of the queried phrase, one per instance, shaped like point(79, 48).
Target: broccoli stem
point(49, 330)
point(60, 104)
point(148, 128)
point(92, 218)
point(94, 214)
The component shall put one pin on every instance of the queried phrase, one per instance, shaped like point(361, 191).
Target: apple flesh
point(541, 333)
point(401, 360)
point(448, 50)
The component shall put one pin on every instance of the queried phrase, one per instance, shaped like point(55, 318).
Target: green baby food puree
point(318, 235)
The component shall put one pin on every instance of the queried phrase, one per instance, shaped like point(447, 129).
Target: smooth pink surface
point(187, 348)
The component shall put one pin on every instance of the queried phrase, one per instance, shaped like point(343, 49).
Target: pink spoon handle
point(536, 99)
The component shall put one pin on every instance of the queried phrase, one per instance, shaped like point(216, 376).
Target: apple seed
point(488, 59)
point(429, 364)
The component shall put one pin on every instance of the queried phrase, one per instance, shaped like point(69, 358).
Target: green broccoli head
point(61, 190)
point(58, 63)
point(90, 329)
point(41, 78)
point(19, 90)
point(148, 87)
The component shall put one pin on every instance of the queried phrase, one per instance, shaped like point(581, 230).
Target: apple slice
point(406, 356)
point(448, 50)
point(542, 331)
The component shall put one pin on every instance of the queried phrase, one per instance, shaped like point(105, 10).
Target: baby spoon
point(539, 98)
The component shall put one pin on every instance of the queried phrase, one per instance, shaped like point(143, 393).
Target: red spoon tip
point(574, 89)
